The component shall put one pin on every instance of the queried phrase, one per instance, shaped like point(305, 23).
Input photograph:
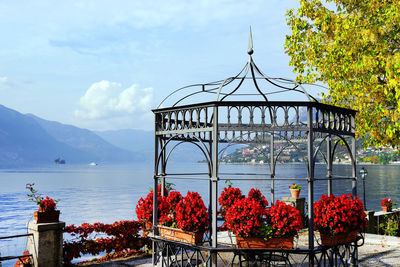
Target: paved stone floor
point(377, 251)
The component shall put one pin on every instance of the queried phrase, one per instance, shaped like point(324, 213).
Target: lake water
point(110, 193)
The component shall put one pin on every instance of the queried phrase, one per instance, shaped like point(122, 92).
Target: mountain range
point(27, 140)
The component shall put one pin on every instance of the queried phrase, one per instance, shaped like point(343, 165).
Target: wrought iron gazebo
point(242, 110)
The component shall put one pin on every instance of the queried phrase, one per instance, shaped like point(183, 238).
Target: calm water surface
point(110, 193)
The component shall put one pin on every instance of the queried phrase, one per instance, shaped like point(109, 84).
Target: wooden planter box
point(339, 239)
point(180, 235)
point(46, 217)
point(260, 242)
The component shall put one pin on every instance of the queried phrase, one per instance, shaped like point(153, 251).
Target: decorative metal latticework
point(248, 109)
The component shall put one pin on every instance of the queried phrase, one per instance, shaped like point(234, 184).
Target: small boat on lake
point(59, 161)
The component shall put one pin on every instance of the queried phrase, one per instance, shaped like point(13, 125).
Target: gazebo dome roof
point(250, 84)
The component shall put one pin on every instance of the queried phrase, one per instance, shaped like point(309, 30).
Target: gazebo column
point(354, 260)
point(329, 160)
point(272, 168)
point(354, 165)
point(214, 186)
point(310, 180)
point(155, 202)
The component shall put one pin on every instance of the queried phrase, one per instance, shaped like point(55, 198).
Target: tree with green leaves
point(352, 46)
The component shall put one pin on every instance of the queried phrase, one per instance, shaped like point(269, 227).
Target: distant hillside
point(26, 140)
point(86, 141)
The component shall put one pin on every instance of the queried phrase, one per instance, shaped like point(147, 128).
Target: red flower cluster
point(257, 196)
point(334, 215)
point(173, 199)
point(47, 204)
point(123, 235)
point(144, 208)
point(284, 219)
point(244, 217)
point(228, 196)
point(387, 202)
point(191, 213)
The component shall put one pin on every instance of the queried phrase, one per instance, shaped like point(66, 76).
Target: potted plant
point(190, 222)
point(387, 204)
point(47, 212)
point(295, 190)
point(339, 219)
point(144, 208)
point(255, 226)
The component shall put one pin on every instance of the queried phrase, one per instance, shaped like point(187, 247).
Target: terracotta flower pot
point(387, 208)
point(338, 239)
point(46, 217)
point(180, 235)
point(295, 193)
point(259, 242)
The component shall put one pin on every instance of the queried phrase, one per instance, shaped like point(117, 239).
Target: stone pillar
point(46, 246)
point(372, 227)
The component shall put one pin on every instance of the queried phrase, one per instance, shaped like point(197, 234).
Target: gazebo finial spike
point(250, 49)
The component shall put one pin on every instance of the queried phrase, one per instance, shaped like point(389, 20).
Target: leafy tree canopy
point(353, 47)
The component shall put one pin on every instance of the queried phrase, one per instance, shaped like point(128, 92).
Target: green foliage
point(169, 186)
point(36, 198)
point(295, 186)
point(352, 46)
point(391, 225)
point(266, 231)
point(228, 183)
point(33, 196)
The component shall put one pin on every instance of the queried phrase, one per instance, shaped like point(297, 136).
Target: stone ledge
point(41, 227)
point(380, 213)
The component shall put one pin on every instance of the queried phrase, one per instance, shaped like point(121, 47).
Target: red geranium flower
point(284, 219)
point(191, 213)
point(144, 208)
point(334, 215)
point(244, 217)
point(47, 205)
point(228, 196)
point(258, 196)
point(173, 199)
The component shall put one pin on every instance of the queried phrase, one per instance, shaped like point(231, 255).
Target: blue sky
point(103, 65)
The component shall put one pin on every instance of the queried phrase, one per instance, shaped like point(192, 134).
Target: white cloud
point(107, 99)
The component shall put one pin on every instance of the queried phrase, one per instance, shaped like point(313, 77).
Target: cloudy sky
point(103, 65)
